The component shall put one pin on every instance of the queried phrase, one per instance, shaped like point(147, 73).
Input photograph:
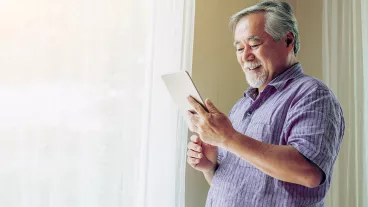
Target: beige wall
point(309, 17)
point(216, 72)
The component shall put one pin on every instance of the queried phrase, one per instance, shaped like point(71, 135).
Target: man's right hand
point(201, 156)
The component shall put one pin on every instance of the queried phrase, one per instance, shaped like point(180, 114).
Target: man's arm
point(208, 175)
point(202, 157)
point(322, 127)
point(281, 162)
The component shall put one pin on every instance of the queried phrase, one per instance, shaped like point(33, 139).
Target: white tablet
point(180, 86)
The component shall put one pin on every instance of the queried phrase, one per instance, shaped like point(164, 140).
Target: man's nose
point(247, 54)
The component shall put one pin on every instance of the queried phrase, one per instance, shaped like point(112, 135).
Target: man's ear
point(288, 41)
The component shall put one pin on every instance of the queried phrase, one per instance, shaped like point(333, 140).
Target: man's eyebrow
point(236, 43)
point(254, 37)
point(251, 38)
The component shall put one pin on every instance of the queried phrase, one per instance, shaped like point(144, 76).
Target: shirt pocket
point(260, 131)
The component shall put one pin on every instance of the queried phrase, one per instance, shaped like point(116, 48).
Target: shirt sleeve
point(315, 128)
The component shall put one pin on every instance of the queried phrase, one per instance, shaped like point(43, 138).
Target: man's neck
point(261, 88)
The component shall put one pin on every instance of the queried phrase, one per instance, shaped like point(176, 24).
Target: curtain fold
point(166, 131)
point(343, 38)
point(364, 17)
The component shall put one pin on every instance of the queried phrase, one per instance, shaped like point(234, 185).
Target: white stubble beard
point(255, 79)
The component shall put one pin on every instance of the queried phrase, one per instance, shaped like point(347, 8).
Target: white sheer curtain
point(84, 117)
point(364, 8)
point(344, 56)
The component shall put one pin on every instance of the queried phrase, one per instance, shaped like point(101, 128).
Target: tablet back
point(180, 86)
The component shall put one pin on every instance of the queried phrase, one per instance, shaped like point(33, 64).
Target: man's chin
point(255, 83)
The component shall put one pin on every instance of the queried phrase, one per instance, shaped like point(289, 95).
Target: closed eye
point(255, 46)
point(239, 49)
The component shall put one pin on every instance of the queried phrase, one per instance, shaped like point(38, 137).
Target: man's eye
point(239, 49)
point(255, 46)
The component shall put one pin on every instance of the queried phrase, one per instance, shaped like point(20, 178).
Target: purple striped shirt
point(294, 109)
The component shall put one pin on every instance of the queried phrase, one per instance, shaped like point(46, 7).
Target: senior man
point(281, 139)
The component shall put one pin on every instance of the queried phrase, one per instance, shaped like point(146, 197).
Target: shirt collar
point(280, 81)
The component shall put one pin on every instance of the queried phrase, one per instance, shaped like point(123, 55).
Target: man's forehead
point(249, 28)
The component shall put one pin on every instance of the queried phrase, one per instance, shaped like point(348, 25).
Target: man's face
point(260, 57)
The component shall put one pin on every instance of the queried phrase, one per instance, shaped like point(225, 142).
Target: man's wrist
point(231, 140)
point(212, 170)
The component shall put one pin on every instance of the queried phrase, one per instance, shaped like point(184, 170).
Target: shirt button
point(249, 113)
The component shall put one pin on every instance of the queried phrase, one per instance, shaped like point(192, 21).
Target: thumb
point(210, 106)
point(206, 145)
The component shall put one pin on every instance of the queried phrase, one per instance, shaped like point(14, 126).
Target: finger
point(210, 106)
point(193, 118)
point(192, 128)
point(194, 147)
point(192, 111)
point(194, 138)
point(193, 161)
point(197, 107)
point(194, 154)
point(191, 122)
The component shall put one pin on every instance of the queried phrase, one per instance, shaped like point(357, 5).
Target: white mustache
point(251, 65)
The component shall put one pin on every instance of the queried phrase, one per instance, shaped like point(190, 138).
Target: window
point(85, 118)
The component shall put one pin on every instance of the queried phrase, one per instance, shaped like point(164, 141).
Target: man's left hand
point(213, 126)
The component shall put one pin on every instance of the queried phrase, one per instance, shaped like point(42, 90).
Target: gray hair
point(280, 20)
